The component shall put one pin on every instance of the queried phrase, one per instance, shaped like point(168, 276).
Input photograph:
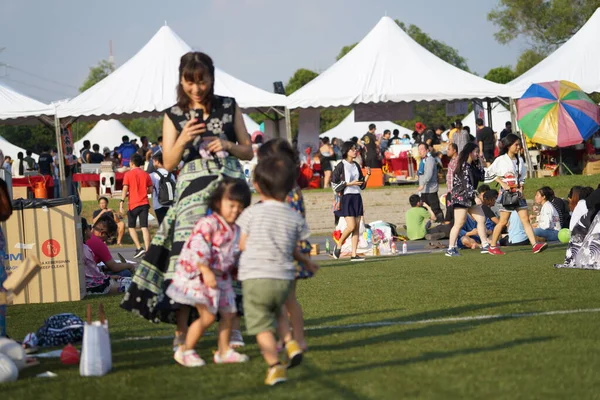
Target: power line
point(37, 87)
point(39, 76)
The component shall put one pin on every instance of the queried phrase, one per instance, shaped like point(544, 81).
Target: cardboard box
point(592, 168)
point(548, 170)
point(19, 192)
point(88, 194)
point(50, 230)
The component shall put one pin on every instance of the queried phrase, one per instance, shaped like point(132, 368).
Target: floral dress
point(464, 185)
point(213, 243)
point(296, 201)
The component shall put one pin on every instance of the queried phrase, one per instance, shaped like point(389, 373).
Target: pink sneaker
point(495, 251)
point(231, 357)
point(539, 247)
point(188, 358)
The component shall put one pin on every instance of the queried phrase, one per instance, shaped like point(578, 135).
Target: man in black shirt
point(372, 147)
point(507, 130)
point(95, 157)
point(486, 139)
point(45, 163)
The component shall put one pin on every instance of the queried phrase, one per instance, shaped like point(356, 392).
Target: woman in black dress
point(207, 133)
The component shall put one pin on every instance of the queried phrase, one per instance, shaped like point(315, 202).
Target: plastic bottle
point(404, 247)
point(393, 247)
point(327, 246)
point(369, 236)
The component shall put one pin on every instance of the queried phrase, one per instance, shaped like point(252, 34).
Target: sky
point(50, 45)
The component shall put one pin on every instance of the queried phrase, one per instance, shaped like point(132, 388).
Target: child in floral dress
point(203, 277)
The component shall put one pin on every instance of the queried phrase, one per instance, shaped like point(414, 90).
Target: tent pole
point(489, 114)
point(61, 155)
point(288, 125)
point(513, 119)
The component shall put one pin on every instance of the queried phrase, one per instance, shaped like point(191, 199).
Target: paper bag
point(96, 354)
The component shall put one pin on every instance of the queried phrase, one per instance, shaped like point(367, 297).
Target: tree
point(527, 60)
point(501, 74)
point(546, 24)
point(300, 78)
point(97, 73)
point(440, 49)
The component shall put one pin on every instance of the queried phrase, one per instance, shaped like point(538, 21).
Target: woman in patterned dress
point(467, 176)
point(208, 134)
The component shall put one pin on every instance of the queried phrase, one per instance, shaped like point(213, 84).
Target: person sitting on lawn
point(418, 221)
point(102, 230)
point(516, 232)
point(104, 210)
point(96, 281)
point(489, 198)
point(468, 237)
point(548, 222)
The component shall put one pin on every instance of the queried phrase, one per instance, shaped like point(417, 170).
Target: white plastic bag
point(96, 354)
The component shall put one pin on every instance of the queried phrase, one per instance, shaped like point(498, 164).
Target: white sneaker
point(231, 357)
point(188, 358)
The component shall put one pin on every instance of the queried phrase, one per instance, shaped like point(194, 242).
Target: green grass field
point(424, 341)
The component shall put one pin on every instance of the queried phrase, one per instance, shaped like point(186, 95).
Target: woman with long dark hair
point(347, 181)
point(509, 170)
point(467, 176)
point(207, 133)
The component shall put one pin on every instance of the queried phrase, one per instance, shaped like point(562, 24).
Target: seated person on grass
point(489, 198)
point(516, 232)
point(104, 210)
point(103, 229)
point(96, 281)
point(468, 237)
point(419, 219)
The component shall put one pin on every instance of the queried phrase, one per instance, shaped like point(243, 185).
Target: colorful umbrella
point(557, 114)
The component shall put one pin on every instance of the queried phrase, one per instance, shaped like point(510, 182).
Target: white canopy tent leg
point(61, 155)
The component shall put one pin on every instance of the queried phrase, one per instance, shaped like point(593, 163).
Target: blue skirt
point(351, 206)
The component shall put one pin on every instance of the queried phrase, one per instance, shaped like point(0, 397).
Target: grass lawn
point(420, 344)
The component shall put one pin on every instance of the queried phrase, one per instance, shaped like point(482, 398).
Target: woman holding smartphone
point(347, 181)
point(208, 134)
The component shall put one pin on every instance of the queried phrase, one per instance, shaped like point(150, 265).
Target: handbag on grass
point(509, 198)
point(96, 354)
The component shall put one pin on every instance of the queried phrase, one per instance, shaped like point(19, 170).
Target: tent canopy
point(106, 133)
point(500, 115)
point(17, 108)
point(389, 66)
point(347, 129)
point(251, 126)
point(577, 61)
point(146, 84)
point(11, 150)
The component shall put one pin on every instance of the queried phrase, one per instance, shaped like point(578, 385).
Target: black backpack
point(166, 189)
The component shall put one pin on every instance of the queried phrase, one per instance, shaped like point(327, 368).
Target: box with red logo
point(50, 230)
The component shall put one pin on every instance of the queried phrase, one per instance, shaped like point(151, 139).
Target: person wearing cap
point(419, 132)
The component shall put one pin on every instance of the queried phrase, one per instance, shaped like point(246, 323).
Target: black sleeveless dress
point(200, 175)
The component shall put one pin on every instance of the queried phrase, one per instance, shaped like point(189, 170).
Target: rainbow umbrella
point(557, 114)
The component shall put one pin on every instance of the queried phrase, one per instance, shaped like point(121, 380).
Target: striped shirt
point(272, 230)
point(461, 139)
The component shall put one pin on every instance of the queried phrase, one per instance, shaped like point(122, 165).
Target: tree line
point(544, 24)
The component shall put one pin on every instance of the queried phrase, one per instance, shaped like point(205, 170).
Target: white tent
point(147, 82)
point(500, 115)
point(577, 61)
point(106, 133)
point(389, 66)
point(251, 126)
point(10, 149)
point(347, 129)
point(18, 108)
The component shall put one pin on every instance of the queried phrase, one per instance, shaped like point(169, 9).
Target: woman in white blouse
point(548, 222)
